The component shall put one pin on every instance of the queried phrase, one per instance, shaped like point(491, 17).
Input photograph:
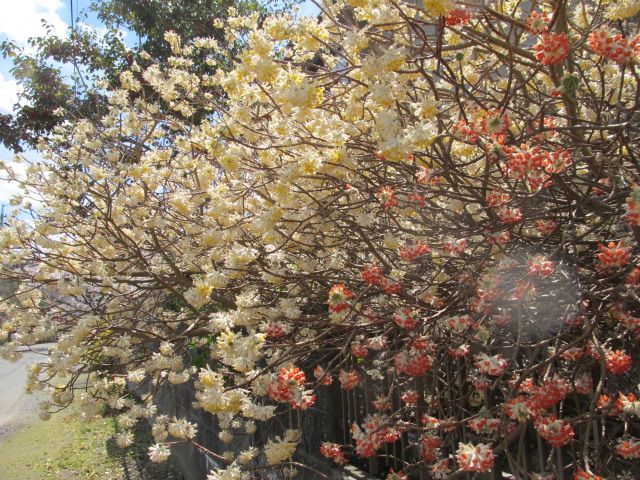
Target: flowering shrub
point(475, 458)
point(552, 48)
point(289, 387)
point(447, 224)
point(333, 451)
point(616, 47)
point(557, 432)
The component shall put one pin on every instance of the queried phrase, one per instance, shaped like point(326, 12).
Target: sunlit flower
point(475, 458)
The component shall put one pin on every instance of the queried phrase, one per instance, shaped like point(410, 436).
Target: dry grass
point(68, 448)
point(64, 447)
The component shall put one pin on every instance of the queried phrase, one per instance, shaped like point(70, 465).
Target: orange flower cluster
point(614, 47)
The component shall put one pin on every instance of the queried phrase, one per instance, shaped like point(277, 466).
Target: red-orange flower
point(475, 458)
point(613, 256)
point(555, 431)
point(552, 48)
point(618, 362)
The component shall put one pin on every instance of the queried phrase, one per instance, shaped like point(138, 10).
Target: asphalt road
point(18, 408)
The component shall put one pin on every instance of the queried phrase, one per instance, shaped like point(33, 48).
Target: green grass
point(63, 448)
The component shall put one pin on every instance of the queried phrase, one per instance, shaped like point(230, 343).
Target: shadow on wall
point(319, 423)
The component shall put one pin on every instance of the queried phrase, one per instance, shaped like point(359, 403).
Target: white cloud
point(21, 19)
point(100, 31)
point(9, 90)
point(10, 188)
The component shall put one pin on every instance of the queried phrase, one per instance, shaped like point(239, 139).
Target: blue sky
point(22, 19)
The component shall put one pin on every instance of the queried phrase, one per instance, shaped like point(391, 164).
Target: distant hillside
point(7, 288)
